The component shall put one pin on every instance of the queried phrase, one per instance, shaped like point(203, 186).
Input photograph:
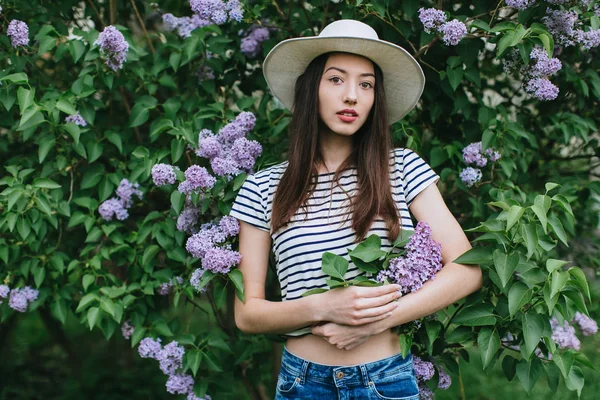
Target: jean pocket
point(401, 387)
point(286, 383)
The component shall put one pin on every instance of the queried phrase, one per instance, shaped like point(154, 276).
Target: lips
point(348, 113)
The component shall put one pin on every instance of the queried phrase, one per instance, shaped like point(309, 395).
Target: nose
point(350, 95)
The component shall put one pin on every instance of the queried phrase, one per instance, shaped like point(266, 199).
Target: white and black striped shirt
point(325, 225)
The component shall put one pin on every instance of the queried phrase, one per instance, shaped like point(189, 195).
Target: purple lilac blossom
point(4, 291)
point(199, 243)
point(244, 152)
point(445, 380)
point(113, 44)
point(209, 145)
point(589, 39)
point(18, 31)
point(170, 358)
point(180, 384)
point(424, 370)
point(220, 261)
point(77, 119)
point(492, 154)
point(557, 2)
point(150, 348)
point(163, 174)
point(127, 190)
point(205, 73)
point(587, 325)
point(544, 66)
point(431, 19)
point(561, 24)
point(113, 207)
point(127, 329)
point(252, 44)
point(198, 177)
point(236, 10)
point(170, 22)
point(542, 89)
point(472, 154)
point(195, 280)
point(192, 396)
point(423, 259)
point(519, 4)
point(229, 226)
point(224, 166)
point(424, 392)
point(188, 219)
point(470, 176)
point(20, 298)
point(185, 187)
point(564, 335)
point(30, 294)
point(212, 10)
point(188, 24)
point(453, 32)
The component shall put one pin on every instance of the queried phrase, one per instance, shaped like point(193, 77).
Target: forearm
point(452, 283)
point(263, 316)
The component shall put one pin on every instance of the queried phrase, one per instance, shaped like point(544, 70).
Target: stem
point(460, 380)
point(426, 47)
point(454, 314)
point(113, 12)
point(495, 11)
point(141, 21)
point(102, 24)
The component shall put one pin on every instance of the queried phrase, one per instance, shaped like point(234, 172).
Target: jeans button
point(340, 375)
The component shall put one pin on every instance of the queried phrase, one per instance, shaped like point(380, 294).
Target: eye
point(366, 85)
point(335, 79)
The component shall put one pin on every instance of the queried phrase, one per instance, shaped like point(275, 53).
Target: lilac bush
point(435, 21)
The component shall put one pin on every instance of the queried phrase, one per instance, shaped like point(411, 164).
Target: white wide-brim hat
point(403, 77)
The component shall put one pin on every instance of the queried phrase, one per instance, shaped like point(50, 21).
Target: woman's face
point(346, 93)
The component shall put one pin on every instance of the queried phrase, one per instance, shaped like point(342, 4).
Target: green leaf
point(433, 329)
point(66, 106)
point(553, 264)
point(518, 296)
point(25, 98)
point(139, 115)
point(479, 24)
point(478, 315)
point(39, 273)
point(177, 149)
point(45, 183)
point(531, 238)
point(575, 381)
point(58, 309)
point(138, 334)
point(94, 151)
point(533, 328)
point(564, 362)
point(42, 205)
point(149, 254)
point(488, 342)
point(92, 316)
point(74, 131)
point(477, 255)
point(529, 372)
point(564, 203)
point(162, 328)
point(455, 76)
point(212, 362)
point(558, 281)
point(86, 300)
point(558, 228)
point(553, 376)
point(23, 227)
point(514, 215)
point(194, 358)
point(580, 280)
point(87, 280)
point(177, 201)
point(238, 280)
point(32, 117)
point(334, 265)
point(405, 344)
point(509, 366)
point(369, 250)
point(19, 77)
point(76, 48)
point(505, 265)
point(363, 266)
point(314, 291)
point(45, 145)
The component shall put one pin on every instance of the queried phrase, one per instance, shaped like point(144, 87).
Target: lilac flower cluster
point(205, 73)
point(217, 11)
point(229, 152)
point(567, 30)
point(165, 288)
point(252, 44)
point(163, 174)
point(207, 244)
point(474, 154)
point(188, 220)
point(77, 119)
point(435, 20)
point(170, 358)
point(196, 178)
point(18, 298)
point(117, 206)
point(564, 335)
point(420, 263)
point(519, 4)
point(127, 329)
point(537, 73)
point(114, 46)
point(183, 25)
point(587, 325)
point(424, 371)
point(18, 31)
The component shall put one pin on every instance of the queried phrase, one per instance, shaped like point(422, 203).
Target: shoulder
point(269, 175)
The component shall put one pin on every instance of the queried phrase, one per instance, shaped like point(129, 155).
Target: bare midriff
point(316, 349)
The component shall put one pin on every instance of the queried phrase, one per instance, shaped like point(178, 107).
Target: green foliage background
point(93, 275)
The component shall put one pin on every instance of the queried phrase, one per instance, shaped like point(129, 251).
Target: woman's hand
point(358, 305)
point(343, 336)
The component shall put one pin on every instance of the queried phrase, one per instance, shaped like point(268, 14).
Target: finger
point(364, 321)
point(374, 302)
point(378, 291)
point(377, 311)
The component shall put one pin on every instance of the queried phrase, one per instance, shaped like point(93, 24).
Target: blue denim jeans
point(391, 378)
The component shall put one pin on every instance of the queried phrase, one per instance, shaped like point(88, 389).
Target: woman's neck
point(334, 150)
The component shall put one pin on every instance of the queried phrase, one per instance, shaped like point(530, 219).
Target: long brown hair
point(370, 153)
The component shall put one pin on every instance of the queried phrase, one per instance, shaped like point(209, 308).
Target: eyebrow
point(345, 72)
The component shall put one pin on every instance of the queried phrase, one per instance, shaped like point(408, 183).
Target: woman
point(341, 183)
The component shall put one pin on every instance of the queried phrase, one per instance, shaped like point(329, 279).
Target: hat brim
point(404, 80)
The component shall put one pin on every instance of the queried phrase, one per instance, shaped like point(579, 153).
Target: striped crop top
point(324, 226)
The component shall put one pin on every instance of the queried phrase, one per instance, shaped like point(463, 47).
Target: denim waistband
point(347, 375)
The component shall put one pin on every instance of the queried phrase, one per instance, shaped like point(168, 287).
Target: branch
point(141, 21)
point(426, 47)
point(102, 24)
point(395, 28)
point(113, 12)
